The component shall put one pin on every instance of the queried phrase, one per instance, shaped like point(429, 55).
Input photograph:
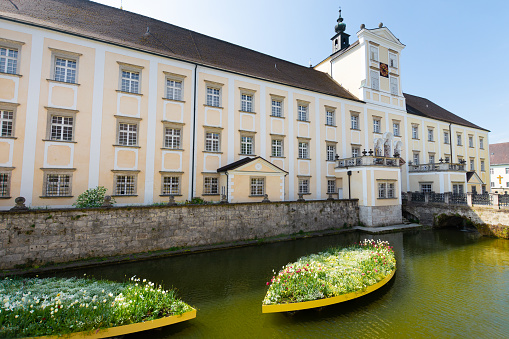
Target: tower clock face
point(384, 70)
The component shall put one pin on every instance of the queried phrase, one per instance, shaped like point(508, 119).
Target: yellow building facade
point(158, 111)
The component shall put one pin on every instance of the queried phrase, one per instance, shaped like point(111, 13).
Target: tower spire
point(340, 40)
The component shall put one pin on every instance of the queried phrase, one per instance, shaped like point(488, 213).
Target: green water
point(448, 284)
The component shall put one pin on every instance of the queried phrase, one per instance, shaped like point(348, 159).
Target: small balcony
point(368, 160)
point(437, 167)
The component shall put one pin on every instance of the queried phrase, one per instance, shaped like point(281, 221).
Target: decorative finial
point(363, 26)
point(380, 25)
point(341, 26)
point(121, 4)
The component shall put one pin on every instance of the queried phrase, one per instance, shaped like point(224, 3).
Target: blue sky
point(454, 55)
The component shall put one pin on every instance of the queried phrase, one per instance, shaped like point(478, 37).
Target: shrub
point(93, 197)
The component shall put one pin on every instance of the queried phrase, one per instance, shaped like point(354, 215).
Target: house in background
point(499, 168)
point(96, 96)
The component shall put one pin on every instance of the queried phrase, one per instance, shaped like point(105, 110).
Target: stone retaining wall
point(38, 237)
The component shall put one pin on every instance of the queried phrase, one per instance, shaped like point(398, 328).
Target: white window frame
point(5, 183)
point(303, 150)
point(9, 59)
point(394, 84)
point(415, 132)
point(276, 107)
point(396, 129)
point(126, 129)
point(213, 95)
point(247, 102)
point(492, 184)
point(356, 151)
point(415, 158)
point(432, 158)
point(57, 184)
point(331, 186)
point(129, 78)
point(492, 171)
point(210, 185)
point(125, 184)
point(303, 112)
point(60, 125)
point(331, 152)
point(507, 170)
point(377, 125)
point(483, 166)
point(330, 117)
point(431, 134)
point(472, 164)
point(170, 184)
point(481, 143)
point(458, 188)
point(304, 186)
point(257, 186)
point(373, 53)
point(7, 122)
point(174, 88)
point(247, 144)
point(393, 60)
point(426, 187)
point(471, 141)
point(65, 70)
point(447, 137)
point(354, 121)
point(172, 137)
point(213, 141)
point(459, 139)
point(374, 77)
point(277, 148)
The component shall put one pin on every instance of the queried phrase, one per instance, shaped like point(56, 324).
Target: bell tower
point(340, 40)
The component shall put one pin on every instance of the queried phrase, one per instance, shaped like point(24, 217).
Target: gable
point(259, 165)
point(475, 179)
point(385, 33)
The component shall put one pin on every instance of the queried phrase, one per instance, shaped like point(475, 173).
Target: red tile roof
point(499, 153)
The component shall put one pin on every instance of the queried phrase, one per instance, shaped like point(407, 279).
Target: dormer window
point(373, 53)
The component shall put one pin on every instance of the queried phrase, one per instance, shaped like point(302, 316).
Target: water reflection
point(448, 283)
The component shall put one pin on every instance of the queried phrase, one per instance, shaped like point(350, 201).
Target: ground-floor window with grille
point(5, 179)
point(386, 190)
point(210, 185)
point(303, 186)
point(125, 184)
point(171, 185)
point(457, 188)
point(331, 186)
point(57, 185)
point(426, 187)
point(257, 186)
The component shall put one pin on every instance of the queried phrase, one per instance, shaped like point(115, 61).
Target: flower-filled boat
point(333, 276)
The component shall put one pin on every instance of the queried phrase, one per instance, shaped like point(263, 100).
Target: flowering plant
point(93, 197)
point(331, 273)
point(54, 306)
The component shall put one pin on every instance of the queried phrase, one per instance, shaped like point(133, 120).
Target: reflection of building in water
point(97, 96)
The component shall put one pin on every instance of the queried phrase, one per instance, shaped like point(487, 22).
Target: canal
point(448, 284)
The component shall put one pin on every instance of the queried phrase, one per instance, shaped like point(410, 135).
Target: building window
point(303, 186)
point(210, 185)
point(127, 134)
point(492, 184)
point(8, 60)
point(373, 53)
point(458, 137)
point(393, 60)
point(394, 86)
point(61, 128)
point(246, 102)
point(302, 112)
point(213, 96)
point(331, 152)
point(416, 159)
point(174, 89)
point(130, 82)
point(355, 121)
point(172, 137)
point(125, 184)
point(470, 141)
point(246, 145)
point(483, 168)
point(457, 188)
point(57, 185)
point(355, 152)
point(506, 170)
point(331, 186)
point(6, 123)
point(432, 158)
point(492, 171)
point(171, 185)
point(257, 186)
point(386, 190)
point(375, 79)
point(5, 184)
point(446, 137)
point(277, 108)
point(303, 150)
point(481, 143)
point(65, 70)
point(395, 129)
point(447, 158)
point(426, 187)
point(376, 125)
point(277, 147)
point(431, 136)
point(212, 142)
point(472, 162)
point(330, 117)
point(415, 132)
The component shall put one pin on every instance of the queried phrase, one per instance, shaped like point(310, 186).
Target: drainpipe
point(194, 132)
point(227, 185)
point(450, 141)
point(349, 187)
